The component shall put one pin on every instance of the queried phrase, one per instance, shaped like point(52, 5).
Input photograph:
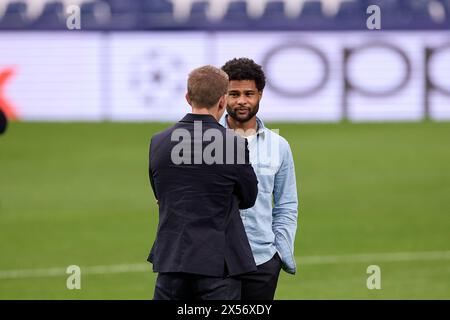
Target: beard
point(243, 118)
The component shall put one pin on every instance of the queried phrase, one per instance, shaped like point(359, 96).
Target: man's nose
point(241, 100)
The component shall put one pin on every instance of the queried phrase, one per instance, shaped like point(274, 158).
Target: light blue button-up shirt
point(272, 223)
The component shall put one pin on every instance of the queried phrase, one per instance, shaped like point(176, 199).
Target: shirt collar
point(260, 123)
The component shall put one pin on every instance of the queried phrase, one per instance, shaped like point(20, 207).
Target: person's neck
point(249, 127)
point(200, 111)
point(204, 111)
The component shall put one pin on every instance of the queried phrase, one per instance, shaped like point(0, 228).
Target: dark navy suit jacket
point(200, 230)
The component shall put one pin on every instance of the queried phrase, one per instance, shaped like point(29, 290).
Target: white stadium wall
point(51, 76)
point(141, 76)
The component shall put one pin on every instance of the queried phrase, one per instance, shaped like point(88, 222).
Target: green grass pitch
point(78, 193)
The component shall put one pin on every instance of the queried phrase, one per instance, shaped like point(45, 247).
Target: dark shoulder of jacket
point(158, 138)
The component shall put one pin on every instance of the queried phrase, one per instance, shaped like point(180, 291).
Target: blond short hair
point(206, 85)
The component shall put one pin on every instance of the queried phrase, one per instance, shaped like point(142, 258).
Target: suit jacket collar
point(191, 117)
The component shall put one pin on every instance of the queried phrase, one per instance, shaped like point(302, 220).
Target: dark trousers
point(185, 286)
point(261, 285)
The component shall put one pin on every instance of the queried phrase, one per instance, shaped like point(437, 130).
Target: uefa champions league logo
point(157, 77)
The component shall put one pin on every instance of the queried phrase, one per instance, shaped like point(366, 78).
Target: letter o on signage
point(436, 52)
point(350, 54)
point(297, 92)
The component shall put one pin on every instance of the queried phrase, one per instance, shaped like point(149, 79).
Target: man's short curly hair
point(245, 69)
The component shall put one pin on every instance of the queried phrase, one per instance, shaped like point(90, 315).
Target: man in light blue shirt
point(272, 223)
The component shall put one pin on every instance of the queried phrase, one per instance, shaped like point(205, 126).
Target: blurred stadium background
point(366, 113)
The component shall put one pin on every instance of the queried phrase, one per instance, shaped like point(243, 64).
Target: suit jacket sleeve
point(150, 172)
point(247, 184)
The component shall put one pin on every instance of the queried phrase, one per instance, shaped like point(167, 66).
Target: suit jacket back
point(200, 230)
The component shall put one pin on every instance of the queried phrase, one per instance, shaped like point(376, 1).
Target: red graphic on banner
point(5, 105)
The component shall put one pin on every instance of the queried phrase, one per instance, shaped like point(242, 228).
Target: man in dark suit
point(3, 122)
point(201, 176)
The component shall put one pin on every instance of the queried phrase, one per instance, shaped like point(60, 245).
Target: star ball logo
point(157, 77)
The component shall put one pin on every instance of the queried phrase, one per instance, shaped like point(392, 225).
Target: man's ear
point(223, 102)
point(260, 94)
point(187, 99)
